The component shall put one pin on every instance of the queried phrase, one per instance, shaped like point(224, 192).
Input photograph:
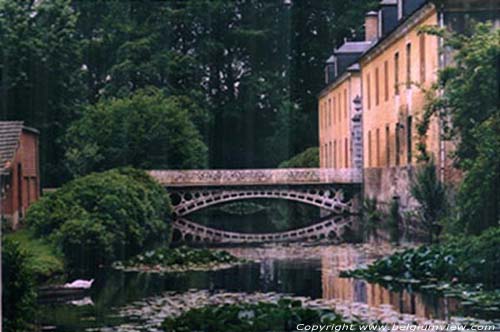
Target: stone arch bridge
point(332, 190)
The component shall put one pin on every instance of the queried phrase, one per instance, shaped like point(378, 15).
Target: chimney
point(371, 26)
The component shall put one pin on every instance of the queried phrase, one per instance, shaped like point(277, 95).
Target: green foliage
point(182, 256)
point(306, 159)
point(103, 217)
point(42, 80)
point(261, 317)
point(430, 193)
point(249, 69)
point(468, 86)
point(468, 260)
point(146, 130)
point(43, 259)
point(479, 194)
point(18, 289)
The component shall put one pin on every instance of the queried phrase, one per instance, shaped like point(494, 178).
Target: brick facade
point(20, 176)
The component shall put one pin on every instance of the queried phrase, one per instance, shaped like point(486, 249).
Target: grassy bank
point(44, 260)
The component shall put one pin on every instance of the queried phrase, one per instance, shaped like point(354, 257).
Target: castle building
point(378, 87)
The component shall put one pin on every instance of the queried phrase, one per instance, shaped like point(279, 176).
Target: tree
point(41, 73)
point(469, 100)
point(254, 67)
point(146, 130)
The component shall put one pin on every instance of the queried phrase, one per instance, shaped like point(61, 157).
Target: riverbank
point(44, 260)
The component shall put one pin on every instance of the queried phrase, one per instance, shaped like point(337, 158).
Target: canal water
point(131, 301)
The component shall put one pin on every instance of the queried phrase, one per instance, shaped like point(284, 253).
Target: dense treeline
point(248, 79)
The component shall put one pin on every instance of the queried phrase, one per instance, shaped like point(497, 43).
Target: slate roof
point(354, 47)
point(388, 2)
point(10, 134)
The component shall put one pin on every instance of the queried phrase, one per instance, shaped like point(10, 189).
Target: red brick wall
point(24, 181)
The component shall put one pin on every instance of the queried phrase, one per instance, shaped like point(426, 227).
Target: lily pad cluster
point(179, 259)
point(466, 268)
point(282, 316)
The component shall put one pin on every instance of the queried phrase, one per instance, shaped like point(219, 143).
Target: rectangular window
point(333, 111)
point(321, 156)
point(346, 154)
point(386, 80)
point(320, 117)
point(321, 111)
point(368, 91)
point(369, 148)
point(377, 144)
point(330, 163)
point(329, 111)
point(345, 104)
point(339, 97)
point(323, 159)
point(422, 57)
point(387, 147)
point(409, 140)
point(340, 153)
point(335, 154)
point(408, 66)
point(396, 74)
point(377, 87)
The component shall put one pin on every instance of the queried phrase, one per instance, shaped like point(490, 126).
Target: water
point(309, 272)
point(131, 301)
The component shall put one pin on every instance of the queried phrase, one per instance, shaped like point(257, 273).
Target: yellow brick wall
point(335, 109)
point(383, 108)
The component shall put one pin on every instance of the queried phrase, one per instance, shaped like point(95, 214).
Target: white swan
point(80, 284)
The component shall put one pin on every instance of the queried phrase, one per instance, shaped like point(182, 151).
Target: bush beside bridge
point(103, 217)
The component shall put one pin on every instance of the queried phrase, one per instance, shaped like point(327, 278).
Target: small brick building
point(19, 170)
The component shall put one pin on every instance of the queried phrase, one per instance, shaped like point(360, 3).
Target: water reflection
point(294, 270)
point(375, 295)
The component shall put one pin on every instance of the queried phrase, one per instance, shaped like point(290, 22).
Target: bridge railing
point(283, 176)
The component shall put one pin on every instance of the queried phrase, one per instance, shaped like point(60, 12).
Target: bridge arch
point(328, 198)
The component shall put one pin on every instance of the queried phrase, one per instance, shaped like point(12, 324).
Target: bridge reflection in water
point(331, 229)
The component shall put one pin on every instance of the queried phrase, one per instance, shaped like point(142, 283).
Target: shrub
point(430, 193)
point(306, 159)
point(103, 217)
point(18, 289)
